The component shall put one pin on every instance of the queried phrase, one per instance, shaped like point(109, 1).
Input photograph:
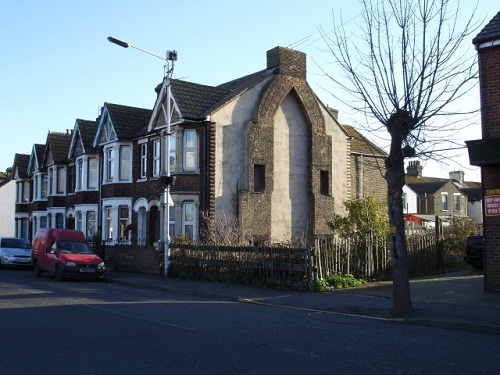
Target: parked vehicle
point(65, 253)
point(474, 251)
point(14, 251)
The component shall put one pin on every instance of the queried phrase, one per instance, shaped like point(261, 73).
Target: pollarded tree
point(403, 69)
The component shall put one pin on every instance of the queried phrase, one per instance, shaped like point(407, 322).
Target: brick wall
point(146, 260)
point(489, 70)
point(367, 178)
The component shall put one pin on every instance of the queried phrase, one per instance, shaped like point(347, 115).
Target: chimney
point(288, 61)
point(457, 175)
point(414, 168)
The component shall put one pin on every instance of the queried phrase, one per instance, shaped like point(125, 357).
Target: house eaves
point(489, 36)
point(425, 185)
point(361, 145)
point(36, 158)
point(21, 163)
point(127, 121)
point(58, 146)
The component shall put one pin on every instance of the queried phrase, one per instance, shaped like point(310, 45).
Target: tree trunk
point(395, 176)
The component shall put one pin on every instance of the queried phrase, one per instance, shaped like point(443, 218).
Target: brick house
point(117, 128)
point(367, 167)
point(444, 197)
point(485, 152)
point(83, 200)
point(55, 165)
point(23, 195)
point(38, 190)
point(261, 149)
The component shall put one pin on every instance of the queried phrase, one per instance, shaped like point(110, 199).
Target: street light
point(167, 179)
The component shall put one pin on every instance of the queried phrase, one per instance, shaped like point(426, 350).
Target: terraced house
point(262, 150)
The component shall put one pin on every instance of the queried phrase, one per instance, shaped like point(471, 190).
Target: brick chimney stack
point(288, 61)
point(414, 168)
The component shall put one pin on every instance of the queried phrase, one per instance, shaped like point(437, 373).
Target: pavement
point(454, 300)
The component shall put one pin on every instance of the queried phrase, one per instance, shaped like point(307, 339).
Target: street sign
point(492, 205)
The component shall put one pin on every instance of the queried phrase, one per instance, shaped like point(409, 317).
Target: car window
point(72, 247)
point(16, 243)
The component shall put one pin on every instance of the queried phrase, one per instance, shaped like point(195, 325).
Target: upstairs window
point(44, 187)
point(79, 178)
point(61, 180)
point(173, 151)
point(125, 163)
point(324, 183)
point(456, 202)
point(26, 191)
point(93, 173)
point(444, 201)
point(190, 149)
point(259, 178)
point(156, 158)
point(71, 179)
point(144, 160)
point(109, 165)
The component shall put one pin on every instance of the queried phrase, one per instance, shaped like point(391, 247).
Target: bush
point(337, 281)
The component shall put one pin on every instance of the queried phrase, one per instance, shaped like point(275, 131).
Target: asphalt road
point(81, 327)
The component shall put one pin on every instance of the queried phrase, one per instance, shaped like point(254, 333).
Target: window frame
point(144, 161)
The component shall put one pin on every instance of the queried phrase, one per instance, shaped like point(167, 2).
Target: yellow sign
point(393, 230)
point(492, 192)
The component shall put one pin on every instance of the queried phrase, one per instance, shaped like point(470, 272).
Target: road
point(87, 327)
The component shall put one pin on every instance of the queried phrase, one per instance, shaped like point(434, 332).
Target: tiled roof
point(87, 130)
point(360, 144)
point(128, 121)
point(196, 101)
point(39, 151)
point(21, 162)
point(58, 144)
point(490, 32)
point(422, 185)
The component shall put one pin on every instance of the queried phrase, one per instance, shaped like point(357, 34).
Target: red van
point(66, 253)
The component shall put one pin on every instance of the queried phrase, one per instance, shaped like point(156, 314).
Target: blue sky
point(57, 64)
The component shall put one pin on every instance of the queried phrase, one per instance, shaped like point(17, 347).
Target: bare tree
point(403, 69)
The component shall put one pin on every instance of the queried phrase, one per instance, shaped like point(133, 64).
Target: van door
point(51, 258)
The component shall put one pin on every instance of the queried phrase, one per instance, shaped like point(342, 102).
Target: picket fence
point(297, 268)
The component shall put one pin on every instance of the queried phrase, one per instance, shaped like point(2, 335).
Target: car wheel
point(36, 270)
point(58, 275)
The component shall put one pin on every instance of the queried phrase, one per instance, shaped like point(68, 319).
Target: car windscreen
point(15, 243)
point(73, 247)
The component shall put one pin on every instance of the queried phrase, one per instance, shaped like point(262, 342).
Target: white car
point(14, 252)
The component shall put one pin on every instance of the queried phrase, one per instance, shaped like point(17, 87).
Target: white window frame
point(190, 146)
point(189, 215)
point(156, 157)
point(109, 159)
point(444, 201)
point(144, 160)
point(60, 180)
point(92, 173)
point(456, 202)
point(125, 163)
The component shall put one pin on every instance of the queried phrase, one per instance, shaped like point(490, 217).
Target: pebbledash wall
point(296, 140)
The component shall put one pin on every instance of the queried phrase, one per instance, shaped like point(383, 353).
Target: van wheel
point(36, 270)
point(58, 275)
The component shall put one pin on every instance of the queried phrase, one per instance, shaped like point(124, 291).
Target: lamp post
point(167, 179)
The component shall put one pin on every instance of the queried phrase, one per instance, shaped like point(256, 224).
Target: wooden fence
point(276, 267)
point(297, 268)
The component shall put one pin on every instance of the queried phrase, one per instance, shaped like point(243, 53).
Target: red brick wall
point(489, 70)
point(490, 91)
